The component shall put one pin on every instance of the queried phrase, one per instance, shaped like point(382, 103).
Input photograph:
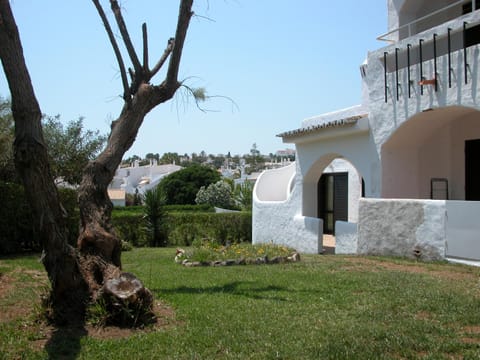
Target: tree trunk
point(94, 269)
point(97, 237)
point(31, 161)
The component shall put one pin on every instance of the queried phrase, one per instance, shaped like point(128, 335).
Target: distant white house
point(141, 178)
point(400, 173)
point(117, 197)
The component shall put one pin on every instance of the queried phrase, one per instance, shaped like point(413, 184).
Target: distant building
point(285, 153)
point(136, 178)
point(117, 197)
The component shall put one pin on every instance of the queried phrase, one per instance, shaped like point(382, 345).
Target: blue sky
point(280, 61)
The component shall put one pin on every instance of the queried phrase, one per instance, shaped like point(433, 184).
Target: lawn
point(324, 307)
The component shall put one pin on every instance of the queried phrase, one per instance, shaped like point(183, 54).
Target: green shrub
point(69, 200)
point(189, 208)
point(139, 210)
point(222, 228)
point(154, 215)
point(17, 232)
point(16, 228)
point(183, 228)
point(130, 228)
point(181, 187)
point(126, 246)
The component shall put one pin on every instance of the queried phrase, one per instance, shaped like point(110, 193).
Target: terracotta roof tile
point(330, 124)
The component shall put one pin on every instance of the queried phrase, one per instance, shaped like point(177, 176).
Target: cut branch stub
point(128, 302)
point(126, 287)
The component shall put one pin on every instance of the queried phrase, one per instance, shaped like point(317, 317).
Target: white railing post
point(436, 12)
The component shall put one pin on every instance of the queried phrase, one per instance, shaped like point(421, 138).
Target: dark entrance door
point(472, 170)
point(332, 200)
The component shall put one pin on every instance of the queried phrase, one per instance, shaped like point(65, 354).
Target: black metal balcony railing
point(428, 50)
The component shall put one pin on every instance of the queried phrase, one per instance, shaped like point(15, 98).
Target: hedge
point(130, 228)
point(138, 210)
point(185, 223)
point(185, 227)
point(17, 231)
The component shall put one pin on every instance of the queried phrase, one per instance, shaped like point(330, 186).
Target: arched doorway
point(332, 199)
point(434, 147)
point(332, 191)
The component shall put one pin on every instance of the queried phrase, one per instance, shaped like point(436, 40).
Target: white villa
point(141, 178)
point(400, 173)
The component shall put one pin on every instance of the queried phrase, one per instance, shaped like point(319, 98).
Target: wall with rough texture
point(282, 222)
point(406, 228)
point(386, 117)
point(346, 239)
point(409, 228)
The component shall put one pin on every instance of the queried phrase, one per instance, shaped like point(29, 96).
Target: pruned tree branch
point(184, 15)
point(126, 38)
point(145, 48)
point(161, 61)
point(116, 49)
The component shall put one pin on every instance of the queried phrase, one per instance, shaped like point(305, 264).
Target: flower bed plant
point(211, 253)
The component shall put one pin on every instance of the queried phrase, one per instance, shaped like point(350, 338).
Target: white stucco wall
point(386, 117)
point(409, 17)
point(282, 222)
point(463, 229)
point(434, 147)
point(129, 178)
point(354, 145)
point(340, 165)
point(275, 184)
point(346, 238)
point(406, 228)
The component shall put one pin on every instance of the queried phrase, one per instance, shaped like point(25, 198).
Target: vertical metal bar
point(465, 64)
point(449, 43)
point(420, 52)
point(385, 74)
point(435, 61)
point(396, 72)
point(408, 68)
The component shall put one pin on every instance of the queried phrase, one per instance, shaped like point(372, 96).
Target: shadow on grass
point(238, 288)
point(64, 342)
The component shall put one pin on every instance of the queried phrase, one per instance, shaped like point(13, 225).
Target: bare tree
point(94, 267)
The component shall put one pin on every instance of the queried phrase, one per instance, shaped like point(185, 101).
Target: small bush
point(126, 246)
point(183, 228)
point(69, 200)
point(210, 251)
point(189, 208)
point(17, 231)
point(16, 220)
point(221, 228)
point(154, 216)
point(130, 228)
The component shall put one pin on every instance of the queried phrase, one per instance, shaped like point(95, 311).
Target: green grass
point(325, 307)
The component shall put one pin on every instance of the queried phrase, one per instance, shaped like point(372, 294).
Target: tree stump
point(127, 300)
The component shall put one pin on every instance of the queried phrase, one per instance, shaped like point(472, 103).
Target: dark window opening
point(332, 200)
point(467, 8)
point(472, 170)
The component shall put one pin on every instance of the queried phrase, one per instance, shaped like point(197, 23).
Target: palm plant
point(243, 195)
point(154, 215)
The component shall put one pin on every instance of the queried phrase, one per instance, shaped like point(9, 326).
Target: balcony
point(418, 16)
point(437, 59)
